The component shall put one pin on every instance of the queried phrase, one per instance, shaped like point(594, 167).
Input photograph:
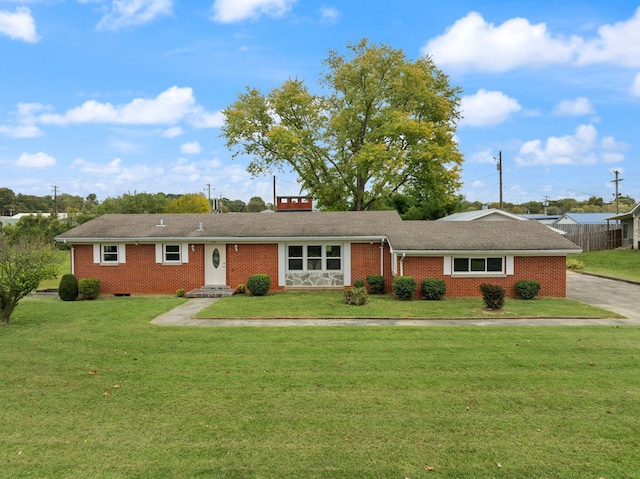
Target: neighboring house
point(164, 253)
point(630, 227)
point(490, 214)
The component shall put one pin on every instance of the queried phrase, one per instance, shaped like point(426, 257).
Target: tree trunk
point(5, 314)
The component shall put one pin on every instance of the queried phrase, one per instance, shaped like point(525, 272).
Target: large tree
point(386, 124)
point(23, 266)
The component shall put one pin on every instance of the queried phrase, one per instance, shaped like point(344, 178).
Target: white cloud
point(117, 172)
point(330, 15)
point(173, 132)
point(18, 25)
point(191, 148)
point(204, 119)
point(168, 107)
point(618, 44)
point(475, 44)
point(577, 107)
point(20, 131)
point(229, 11)
point(581, 148)
point(472, 43)
point(487, 108)
point(126, 13)
point(635, 86)
point(37, 160)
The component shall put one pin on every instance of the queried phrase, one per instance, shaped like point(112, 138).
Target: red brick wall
point(252, 259)
point(141, 274)
point(365, 260)
point(550, 271)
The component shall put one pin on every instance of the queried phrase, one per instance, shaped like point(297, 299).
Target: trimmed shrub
point(180, 293)
point(89, 288)
point(68, 288)
point(376, 284)
point(356, 296)
point(574, 264)
point(358, 283)
point(258, 284)
point(405, 287)
point(433, 289)
point(492, 295)
point(240, 289)
point(527, 288)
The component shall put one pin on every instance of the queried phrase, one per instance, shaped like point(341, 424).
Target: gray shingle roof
point(403, 235)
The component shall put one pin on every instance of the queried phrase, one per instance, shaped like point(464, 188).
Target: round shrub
point(492, 295)
point(527, 288)
point(180, 293)
point(68, 288)
point(376, 283)
point(356, 296)
point(405, 287)
point(89, 288)
point(258, 284)
point(358, 283)
point(240, 289)
point(433, 289)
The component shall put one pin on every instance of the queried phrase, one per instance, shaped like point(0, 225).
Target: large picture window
point(478, 265)
point(316, 257)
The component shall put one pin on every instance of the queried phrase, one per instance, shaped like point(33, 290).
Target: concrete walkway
point(612, 295)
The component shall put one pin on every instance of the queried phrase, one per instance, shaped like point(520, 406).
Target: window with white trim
point(171, 253)
point(316, 257)
point(478, 265)
point(625, 230)
point(109, 253)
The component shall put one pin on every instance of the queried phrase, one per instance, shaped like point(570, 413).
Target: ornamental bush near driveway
point(527, 288)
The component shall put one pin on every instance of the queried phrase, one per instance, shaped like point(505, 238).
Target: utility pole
point(499, 167)
point(55, 201)
point(208, 185)
point(545, 205)
point(617, 182)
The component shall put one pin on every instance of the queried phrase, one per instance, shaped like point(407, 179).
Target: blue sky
point(116, 96)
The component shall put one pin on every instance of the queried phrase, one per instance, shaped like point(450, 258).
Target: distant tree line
point(594, 204)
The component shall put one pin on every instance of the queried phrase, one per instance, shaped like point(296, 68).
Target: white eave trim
point(485, 252)
point(227, 239)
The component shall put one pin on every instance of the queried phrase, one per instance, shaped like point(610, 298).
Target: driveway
point(618, 296)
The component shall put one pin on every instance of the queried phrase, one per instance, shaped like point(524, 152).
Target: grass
point(619, 263)
point(93, 390)
point(64, 267)
point(331, 305)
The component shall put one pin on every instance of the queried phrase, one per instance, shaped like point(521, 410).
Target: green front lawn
point(64, 267)
point(93, 390)
point(331, 305)
point(619, 263)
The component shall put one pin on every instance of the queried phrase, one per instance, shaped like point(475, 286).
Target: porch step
point(210, 291)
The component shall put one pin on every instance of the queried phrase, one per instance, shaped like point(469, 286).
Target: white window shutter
point(185, 252)
point(122, 257)
point(282, 264)
point(158, 252)
point(509, 265)
point(447, 265)
point(97, 253)
point(346, 263)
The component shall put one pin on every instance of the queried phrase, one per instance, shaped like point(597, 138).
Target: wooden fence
point(593, 237)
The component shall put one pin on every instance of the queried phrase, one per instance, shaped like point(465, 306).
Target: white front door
point(215, 264)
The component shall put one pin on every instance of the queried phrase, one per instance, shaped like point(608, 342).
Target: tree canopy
point(387, 125)
point(23, 265)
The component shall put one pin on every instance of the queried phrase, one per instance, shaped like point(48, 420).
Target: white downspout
point(401, 265)
point(73, 262)
point(382, 257)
